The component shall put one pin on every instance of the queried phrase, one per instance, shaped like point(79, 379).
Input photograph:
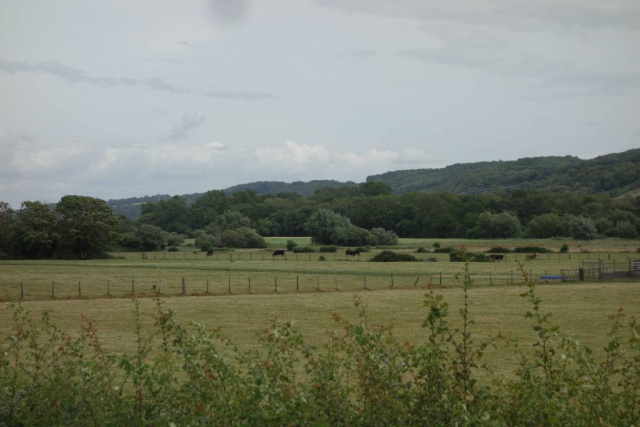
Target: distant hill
point(613, 174)
point(130, 207)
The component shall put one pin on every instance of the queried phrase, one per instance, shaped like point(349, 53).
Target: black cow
point(496, 257)
point(353, 252)
point(278, 252)
point(209, 253)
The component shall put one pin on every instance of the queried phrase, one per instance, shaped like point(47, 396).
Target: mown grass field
point(580, 308)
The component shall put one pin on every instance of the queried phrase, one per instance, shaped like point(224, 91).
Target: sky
point(121, 98)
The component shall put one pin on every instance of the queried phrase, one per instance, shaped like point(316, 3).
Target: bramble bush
point(363, 375)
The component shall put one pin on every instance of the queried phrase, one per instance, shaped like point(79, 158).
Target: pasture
point(242, 290)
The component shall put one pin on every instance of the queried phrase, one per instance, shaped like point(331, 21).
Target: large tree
point(35, 230)
point(86, 225)
point(7, 219)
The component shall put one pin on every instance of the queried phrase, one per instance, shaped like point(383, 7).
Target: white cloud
point(292, 155)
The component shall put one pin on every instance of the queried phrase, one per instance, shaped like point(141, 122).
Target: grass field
point(581, 309)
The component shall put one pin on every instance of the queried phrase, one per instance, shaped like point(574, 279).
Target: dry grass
point(581, 309)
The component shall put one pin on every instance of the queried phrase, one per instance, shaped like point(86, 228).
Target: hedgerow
point(363, 376)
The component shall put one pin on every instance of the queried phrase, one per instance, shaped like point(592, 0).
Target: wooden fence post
point(207, 285)
point(512, 277)
point(184, 286)
point(21, 291)
point(108, 287)
point(414, 285)
point(392, 280)
point(297, 283)
point(317, 283)
point(275, 281)
point(336, 279)
point(53, 290)
point(133, 287)
point(440, 278)
point(229, 284)
point(79, 288)
point(249, 284)
point(490, 278)
point(160, 287)
point(365, 282)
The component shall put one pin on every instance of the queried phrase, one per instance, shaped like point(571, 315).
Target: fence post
point(21, 291)
point(530, 276)
point(229, 284)
point(414, 285)
point(249, 284)
point(184, 286)
point(336, 283)
point(546, 276)
point(365, 282)
point(440, 278)
point(133, 287)
point(160, 287)
point(79, 288)
point(490, 278)
point(512, 277)
point(317, 283)
point(614, 265)
point(53, 291)
point(207, 285)
point(297, 283)
point(275, 281)
point(392, 280)
point(109, 287)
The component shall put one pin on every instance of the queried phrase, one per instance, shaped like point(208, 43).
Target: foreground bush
point(362, 377)
point(390, 256)
point(460, 255)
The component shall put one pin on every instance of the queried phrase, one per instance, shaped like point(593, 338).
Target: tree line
point(368, 214)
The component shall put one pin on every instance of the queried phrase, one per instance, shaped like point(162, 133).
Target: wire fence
point(219, 284)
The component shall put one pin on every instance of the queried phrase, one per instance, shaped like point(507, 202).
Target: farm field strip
point(581, 309)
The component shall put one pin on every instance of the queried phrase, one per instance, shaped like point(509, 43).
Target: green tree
point(323, 223)
point(242, 237)
point(500, 225)
point(625, 230)
point(7, 220)
point(374, 188)
point(353, 236)
point(86, 225)
point(151, 237)
point(35, 233)
point(547, 225)
point(582, 228)
point(385, 237)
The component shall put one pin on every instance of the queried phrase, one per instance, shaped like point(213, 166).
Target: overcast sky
point(121, 98)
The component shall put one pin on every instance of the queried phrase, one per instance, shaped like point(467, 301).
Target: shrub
point(626, 230)
point(291, 244)
point(390, 256)
point(321, 258)
point(173, 249)
point(242, 237)
point(582, 228)
point(499, 250)
point(436, 245)
point(432, 259)
point(564, 248)
point(328, 249)
point(363, 249)
point(422, 250)
point(303, 249)
point(353, 236)
point(385, 237)
point(459, 255)
point(532, 249)
point(443, 250)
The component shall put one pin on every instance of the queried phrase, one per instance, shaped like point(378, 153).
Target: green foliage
point(352, 236)
point(462, 255)
point(546, 226)
point(35, 233)
point(322, 225)
point(390, 256)
point(242, 237)
point(206, 242)
point(7, 219)
point(173, 249)
point(265, 227)
point(328, 249)
point(422, 250)
point(291, 244)
point(174, 239)
point(151, 238)
point(86, 225)
point(363, 249)
point(582, 228)
point(303, 249)
point(499, 250)
point(532, 249)
point(436, 245)
point(500, 225)
point(564, 248)
point(363, 376)
point(626, 230)
point(374, 188)
point(443, 250)
point(385, 237)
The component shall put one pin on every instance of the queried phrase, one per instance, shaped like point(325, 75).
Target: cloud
point(73, 75)
point(189, 123)
point(292, 155)
point(230, 10)
point(533, 15)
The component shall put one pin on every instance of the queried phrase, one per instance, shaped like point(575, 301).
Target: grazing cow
point(353, 252)
point(278, 252)
point(532, 256)
point(209, 253)
point(496, 257)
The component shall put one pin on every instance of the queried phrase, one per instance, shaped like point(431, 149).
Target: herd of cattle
point(354, 252)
